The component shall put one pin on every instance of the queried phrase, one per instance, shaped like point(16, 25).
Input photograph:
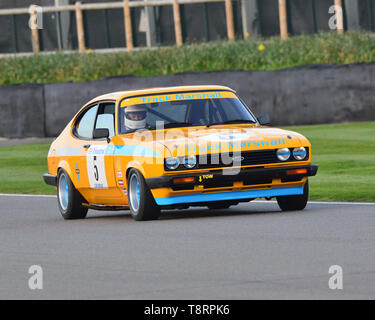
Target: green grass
point(345, 154)
point(21, 169)
point(352, 47)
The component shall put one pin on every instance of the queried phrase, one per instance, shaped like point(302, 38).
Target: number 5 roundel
point(96, 167)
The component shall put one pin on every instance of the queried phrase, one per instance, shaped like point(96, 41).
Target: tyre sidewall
point(65, 212)
point(147, 209)
point(137, 215)
point(295, 203)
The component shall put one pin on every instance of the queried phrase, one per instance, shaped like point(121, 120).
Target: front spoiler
point(228, 196)
point(249, 174)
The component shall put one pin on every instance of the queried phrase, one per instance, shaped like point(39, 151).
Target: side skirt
point(101, 207)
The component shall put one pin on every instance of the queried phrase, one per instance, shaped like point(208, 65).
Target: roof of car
point(122, 94)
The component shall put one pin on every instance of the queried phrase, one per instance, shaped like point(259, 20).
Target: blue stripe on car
point(231, 195)
point(131, 150)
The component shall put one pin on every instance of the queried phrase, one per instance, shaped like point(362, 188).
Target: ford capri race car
point(165, 148)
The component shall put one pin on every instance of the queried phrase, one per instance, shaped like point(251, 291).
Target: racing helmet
point(135, 117)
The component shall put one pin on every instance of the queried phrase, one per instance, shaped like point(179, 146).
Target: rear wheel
point(68, 198)
point(293, 203)
point(141, 201)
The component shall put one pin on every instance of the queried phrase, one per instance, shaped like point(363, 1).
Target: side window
point(106, 118)
point(85, 126)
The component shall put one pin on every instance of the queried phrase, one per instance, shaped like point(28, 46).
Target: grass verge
point(261, 54)
point(345, 154)
point(21, 169)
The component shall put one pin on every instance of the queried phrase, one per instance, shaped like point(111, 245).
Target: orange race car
point(161, 148)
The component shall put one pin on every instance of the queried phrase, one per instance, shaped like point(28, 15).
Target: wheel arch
point(63, 164)
point(134, 165)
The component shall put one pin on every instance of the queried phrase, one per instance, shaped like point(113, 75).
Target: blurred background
point(154, 26)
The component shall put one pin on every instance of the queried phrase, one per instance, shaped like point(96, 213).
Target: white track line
point(261, 201)
point(26, 195)
point(329, 202)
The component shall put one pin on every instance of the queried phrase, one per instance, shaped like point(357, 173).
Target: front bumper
point(248, 176)
point(251, 174)
point(50, 179)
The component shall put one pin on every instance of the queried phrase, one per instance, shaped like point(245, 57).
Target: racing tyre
point(293, 203)
point(141, 201)
point(68, 198)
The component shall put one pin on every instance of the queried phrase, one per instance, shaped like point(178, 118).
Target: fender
point(136, 165)
point(63, 164)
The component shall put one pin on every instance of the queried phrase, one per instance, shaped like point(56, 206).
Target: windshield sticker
point(178, 96)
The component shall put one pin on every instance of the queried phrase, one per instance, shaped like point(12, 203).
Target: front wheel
point(294, 203)
point(68, 198)
point(141, 202)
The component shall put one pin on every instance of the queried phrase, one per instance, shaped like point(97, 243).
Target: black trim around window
point(84, 111)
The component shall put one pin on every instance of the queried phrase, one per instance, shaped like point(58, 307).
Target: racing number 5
point(96, 173)
point(96, 167)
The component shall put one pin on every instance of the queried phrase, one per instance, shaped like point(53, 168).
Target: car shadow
point(192, 213)
point(206, 213)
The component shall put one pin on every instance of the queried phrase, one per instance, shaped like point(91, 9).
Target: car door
point(100, 159)
point(97, 182)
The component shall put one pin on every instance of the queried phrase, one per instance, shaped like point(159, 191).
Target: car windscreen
point(183, 112)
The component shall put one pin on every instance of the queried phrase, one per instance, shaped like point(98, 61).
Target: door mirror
point(264, 120)
point(101, 133)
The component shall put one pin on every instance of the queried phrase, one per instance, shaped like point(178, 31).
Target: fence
point(284, 23)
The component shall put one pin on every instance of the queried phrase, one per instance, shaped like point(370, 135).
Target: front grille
point(255, 157)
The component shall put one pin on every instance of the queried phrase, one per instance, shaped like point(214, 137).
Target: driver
point(135, 117)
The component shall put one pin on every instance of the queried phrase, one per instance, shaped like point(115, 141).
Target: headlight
point(283, 154)
point(190, 161)
point(299, 153)
point(172, 163)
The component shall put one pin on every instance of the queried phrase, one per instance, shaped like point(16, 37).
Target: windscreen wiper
point(230, 122)
point(177, 124)
point(173, 125)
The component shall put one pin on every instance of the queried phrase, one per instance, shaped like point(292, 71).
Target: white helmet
point(135, 117)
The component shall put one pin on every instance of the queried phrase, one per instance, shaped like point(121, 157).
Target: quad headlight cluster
point(284, 154)
point(188, 162)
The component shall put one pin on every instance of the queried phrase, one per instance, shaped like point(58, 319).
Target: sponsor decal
point(119, 174)
point(181, 96)
point(178, 96)
point(121, 182)
point(77, 170)
point(205, 177)
point(235, 144)
point(96, 167)
point(228, 136)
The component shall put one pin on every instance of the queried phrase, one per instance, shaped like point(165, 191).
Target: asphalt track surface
point(252, 251)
